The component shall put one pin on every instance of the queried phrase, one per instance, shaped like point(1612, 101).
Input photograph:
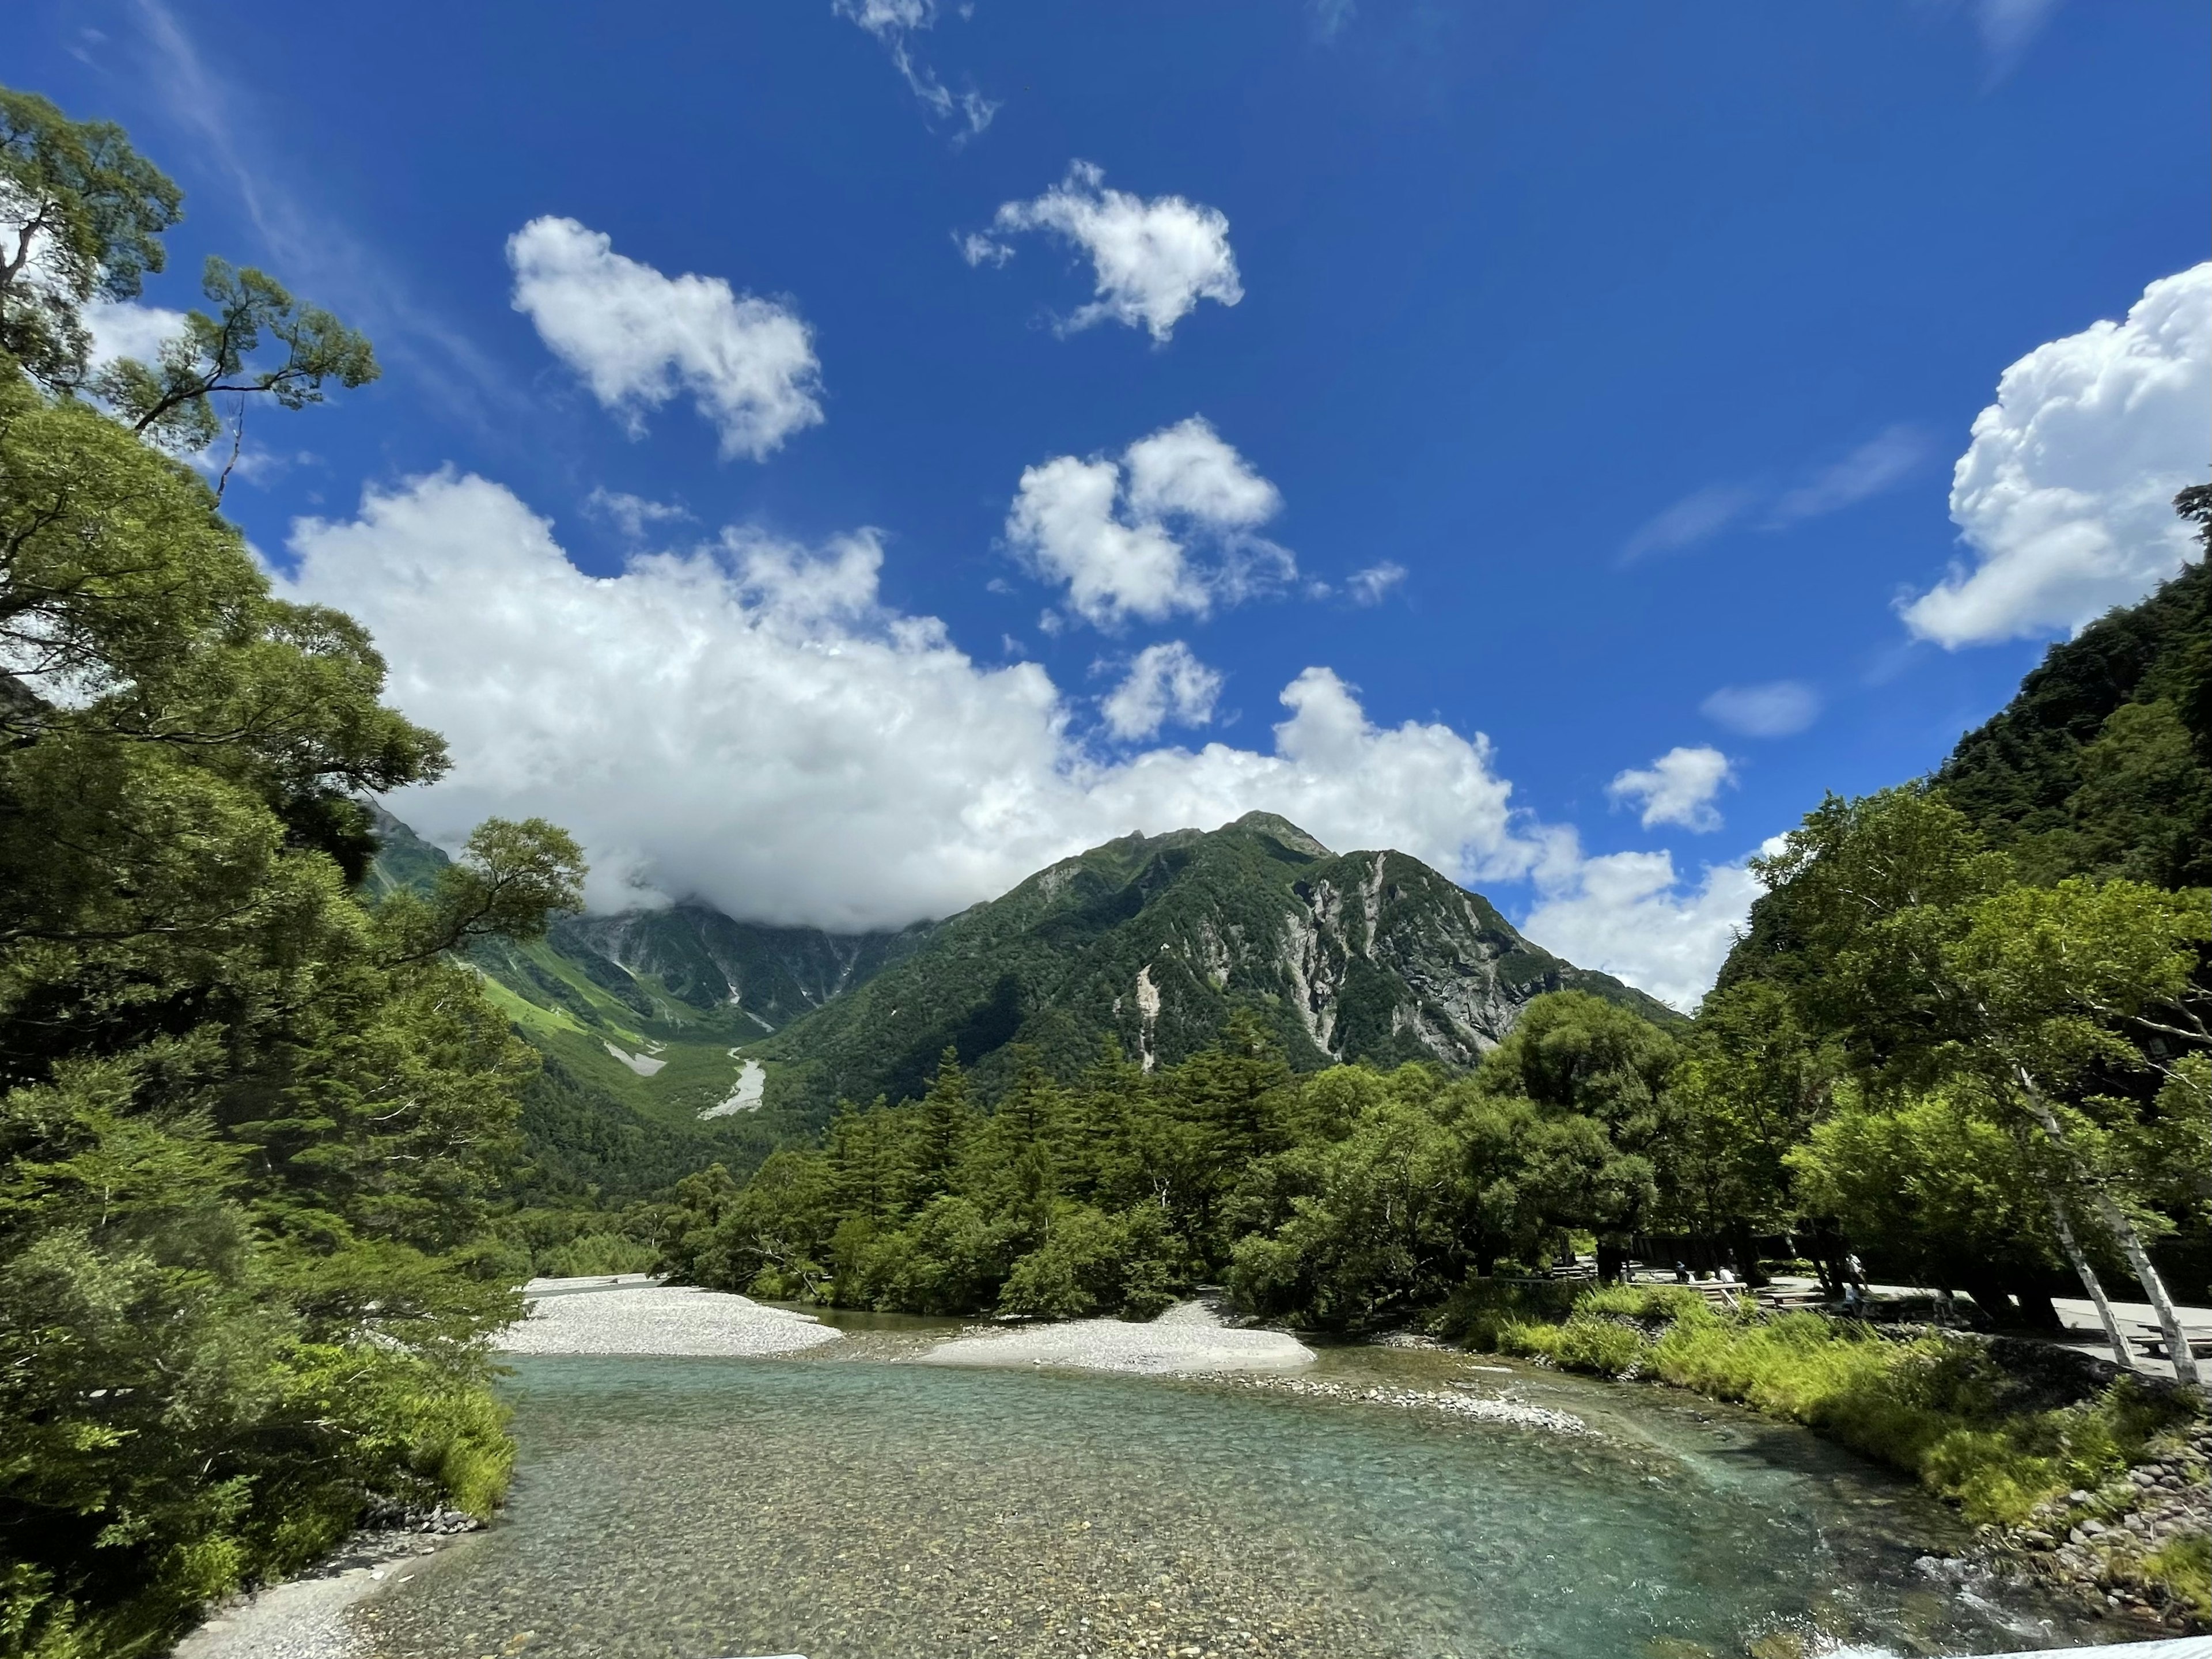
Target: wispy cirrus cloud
point(1374, 585)
point(893, 23)
point(1881, 463)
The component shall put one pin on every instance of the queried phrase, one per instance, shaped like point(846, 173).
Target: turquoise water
point(675, 1508)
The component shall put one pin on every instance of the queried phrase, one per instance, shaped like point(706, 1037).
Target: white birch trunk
point(2161, 1302)
point(2072, 1246)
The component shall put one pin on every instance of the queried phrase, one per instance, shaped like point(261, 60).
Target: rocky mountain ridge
point(691, 1018)
point(1152, 941)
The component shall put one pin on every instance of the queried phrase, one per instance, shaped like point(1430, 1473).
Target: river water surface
point(858, 1508)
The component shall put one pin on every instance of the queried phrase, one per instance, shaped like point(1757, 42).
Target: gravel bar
point(1188, 1338)
point(656, 1319)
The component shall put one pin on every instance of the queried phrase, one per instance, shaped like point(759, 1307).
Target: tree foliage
point(252, 1131)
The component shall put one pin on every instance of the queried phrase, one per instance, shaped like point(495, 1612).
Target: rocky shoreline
point(305, 1618)
point(2092, 1546)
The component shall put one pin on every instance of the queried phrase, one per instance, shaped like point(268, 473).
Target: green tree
point(1939, 964)
point(1749, 1085)
point(1950, 1192)
point(252, 1131)
point(1597, 1075)
point(82, 216)
point(943, 1125)
point(171, 399)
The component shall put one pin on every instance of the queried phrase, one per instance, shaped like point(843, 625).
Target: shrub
point(595, 1254)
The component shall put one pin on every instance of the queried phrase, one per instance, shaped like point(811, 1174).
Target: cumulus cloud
point(1777, 708)
point(1373, 585)
point(124, 328)
point(1154, 261)
point(2065, 493)
point(1165, 682)
point(746, 722)
point(893, 22)
point(640, 339)
point(1676, 788)
point(1168, 526)
point(1629, 914)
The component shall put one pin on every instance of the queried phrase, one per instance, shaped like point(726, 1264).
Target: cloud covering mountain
point(746, 721)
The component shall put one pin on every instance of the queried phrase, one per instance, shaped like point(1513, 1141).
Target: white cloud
point(630, 514)
point(1882, 461)
point(1372, 584)
point(124, 328)
point(1124, 535)
point(1693, 519)
point(1165, 682)
point(1626, 914)
point(640, 339)
point(1331, 17)
point(892, 22)
point(2065, 493)
point(2008, 27)
point(1154, 261)
point(746, 722)
point(1677, 789)
point(1777, 708)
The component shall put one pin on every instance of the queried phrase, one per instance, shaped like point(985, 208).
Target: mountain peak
point(1273, 823)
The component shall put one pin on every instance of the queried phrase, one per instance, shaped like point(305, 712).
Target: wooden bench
point(2153, 1346)
point(1785, 1301)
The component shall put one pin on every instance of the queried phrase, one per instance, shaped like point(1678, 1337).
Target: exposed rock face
point(1155, 940)
point(773, 975)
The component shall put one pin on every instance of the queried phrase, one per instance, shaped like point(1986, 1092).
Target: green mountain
point(640, 1018)
point(2102, 763)
point(1154, 940)
point(678, 1036)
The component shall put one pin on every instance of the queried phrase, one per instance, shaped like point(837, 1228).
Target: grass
point(1939, 1407)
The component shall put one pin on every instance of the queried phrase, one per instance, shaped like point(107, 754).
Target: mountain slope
point(639, 1017)
point(1154, 940)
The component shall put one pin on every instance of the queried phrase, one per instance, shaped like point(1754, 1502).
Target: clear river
point(846, 1506)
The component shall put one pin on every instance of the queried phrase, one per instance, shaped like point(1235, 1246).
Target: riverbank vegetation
point(251, 1131)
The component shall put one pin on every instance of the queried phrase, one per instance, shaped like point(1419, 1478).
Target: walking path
point(2078, 1314)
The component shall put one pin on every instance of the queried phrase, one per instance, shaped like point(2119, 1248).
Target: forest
point(252, 1132)
point(274, 1165)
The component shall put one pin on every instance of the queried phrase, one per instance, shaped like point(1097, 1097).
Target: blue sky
point(1641, 340)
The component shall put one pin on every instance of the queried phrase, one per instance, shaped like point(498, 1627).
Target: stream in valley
point(849, 1506)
